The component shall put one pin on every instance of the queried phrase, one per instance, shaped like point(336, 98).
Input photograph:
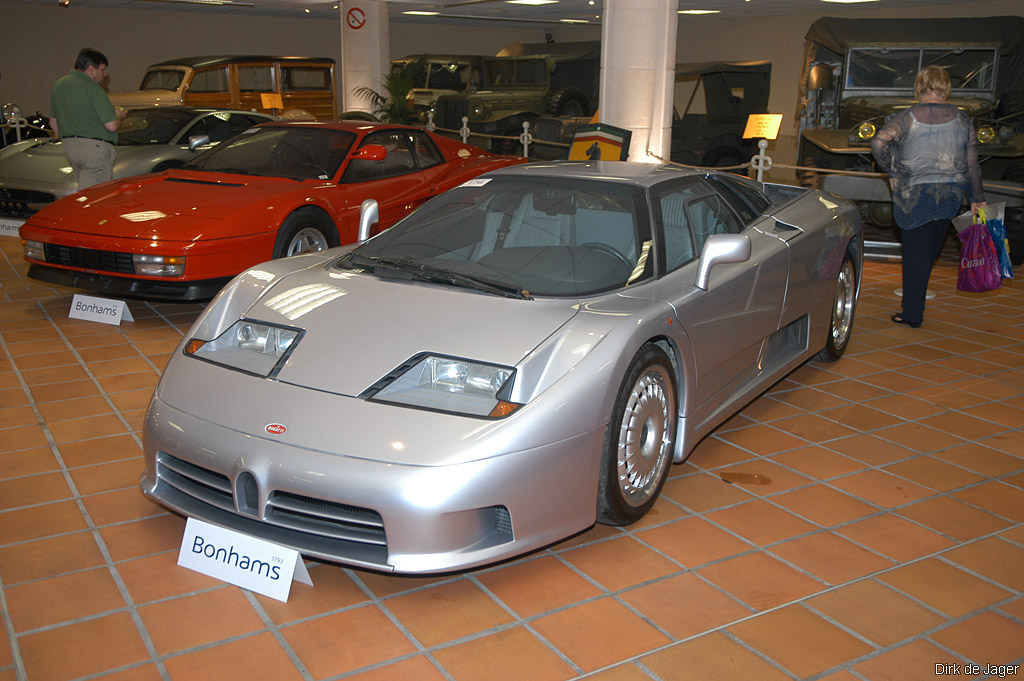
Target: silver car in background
point(522, 356)
point(34, 172)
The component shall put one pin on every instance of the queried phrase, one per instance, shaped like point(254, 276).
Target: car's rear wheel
point(639, 441)
point(304, 232)
point(167, 165)
point(843, 307)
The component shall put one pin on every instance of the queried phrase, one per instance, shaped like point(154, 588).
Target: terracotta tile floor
point(872, 529)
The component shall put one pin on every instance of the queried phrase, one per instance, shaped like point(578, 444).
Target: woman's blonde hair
point(932, 80)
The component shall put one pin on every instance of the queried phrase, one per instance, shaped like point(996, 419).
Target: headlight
point(479, 110)
point(1006, 134)
point(986, 134)
point(34, 249)
point(248, 346)
point(866, 130)
point(159, 265)
point(447, 384)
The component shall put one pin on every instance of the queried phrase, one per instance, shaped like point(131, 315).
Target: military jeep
point(859, 72)
point(523, 83)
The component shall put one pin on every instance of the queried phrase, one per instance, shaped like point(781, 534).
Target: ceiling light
point(848, 2)
point(531, 2)
point(421, 13)
point(700, 11)
point(575, 21)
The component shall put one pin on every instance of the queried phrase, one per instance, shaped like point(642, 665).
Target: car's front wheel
point(843, 306)
point(303, 232)
point(639, 441)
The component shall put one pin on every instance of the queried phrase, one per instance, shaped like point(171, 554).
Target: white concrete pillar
point(365, 51)
point(638, 63)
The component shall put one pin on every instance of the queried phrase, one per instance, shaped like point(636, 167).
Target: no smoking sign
point(355, 18)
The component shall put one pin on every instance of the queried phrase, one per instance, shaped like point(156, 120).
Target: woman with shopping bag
point(930, 154)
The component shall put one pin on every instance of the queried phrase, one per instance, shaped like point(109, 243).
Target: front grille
point(297, 513)
point(26, 196)
point(87, 258)
point(450, 112)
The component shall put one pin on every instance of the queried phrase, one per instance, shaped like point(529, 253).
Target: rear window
point(162, 79)
point(305, 78)
point(213, 79)
point(255, 78)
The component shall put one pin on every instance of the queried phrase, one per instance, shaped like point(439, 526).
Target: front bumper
point(369, 513)
point(150, 289)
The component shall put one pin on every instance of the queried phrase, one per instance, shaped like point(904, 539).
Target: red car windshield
point(299, 153)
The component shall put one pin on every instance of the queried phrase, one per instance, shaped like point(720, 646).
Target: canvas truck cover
point(829, 38)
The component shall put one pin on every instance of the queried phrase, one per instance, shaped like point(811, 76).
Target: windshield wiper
point(439, 275)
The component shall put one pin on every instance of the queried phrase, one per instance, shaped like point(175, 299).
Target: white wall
point(40, 42)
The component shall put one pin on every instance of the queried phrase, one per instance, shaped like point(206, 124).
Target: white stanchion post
point(464, 130)
point(430, 121)
point(761, 162)
point(526, 138)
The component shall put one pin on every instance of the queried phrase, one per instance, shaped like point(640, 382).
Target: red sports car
point(276, 190)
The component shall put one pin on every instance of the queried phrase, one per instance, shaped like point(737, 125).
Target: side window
point(746, 200)
point(255, 78)
point(710, 215)
point(398, 161)
point(214, 79)
point(678, 243)
point(426, 151)
point(305, 78)
point(218, 126)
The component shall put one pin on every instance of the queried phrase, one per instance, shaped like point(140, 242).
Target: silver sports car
point(524, 355)
point(34, 172)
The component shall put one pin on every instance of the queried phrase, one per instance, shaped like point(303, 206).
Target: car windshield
point(539, 236)
point(296, 152)
point(895, 68)
point(162, 79)
point(148, 126)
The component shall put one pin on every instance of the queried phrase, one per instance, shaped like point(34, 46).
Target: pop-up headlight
point(449, 384)
point(252, 347)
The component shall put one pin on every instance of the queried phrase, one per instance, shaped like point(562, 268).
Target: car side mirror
point(720, 249)
point(371, 152)
point(196, 141)
point(369, 215)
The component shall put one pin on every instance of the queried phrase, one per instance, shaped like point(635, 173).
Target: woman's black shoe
point(898, 318)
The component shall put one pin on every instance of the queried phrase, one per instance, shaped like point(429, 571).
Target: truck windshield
point(894, 68)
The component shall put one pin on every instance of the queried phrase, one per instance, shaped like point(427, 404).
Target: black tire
point(569, 101)
point(809, 178)
point(167, 165)
point(844, 305)
point(725, 156)
point(358, 116)
point(1011, 107)
point(304, 232)
point(639, 441)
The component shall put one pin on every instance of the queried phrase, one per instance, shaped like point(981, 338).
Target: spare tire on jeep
point(569, 101)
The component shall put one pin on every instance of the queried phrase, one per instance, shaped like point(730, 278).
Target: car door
point(727, 324)
point(402, 181)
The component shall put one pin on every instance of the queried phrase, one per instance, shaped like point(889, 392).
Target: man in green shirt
point(83, 117)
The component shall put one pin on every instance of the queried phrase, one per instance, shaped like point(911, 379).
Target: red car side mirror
point(371, 152)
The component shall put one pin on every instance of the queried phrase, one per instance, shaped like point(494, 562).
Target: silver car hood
point(359, 327)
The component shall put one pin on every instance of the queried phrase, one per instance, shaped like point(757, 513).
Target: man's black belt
point(83, 137)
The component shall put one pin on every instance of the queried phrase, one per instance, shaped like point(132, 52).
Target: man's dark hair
point(90, 57)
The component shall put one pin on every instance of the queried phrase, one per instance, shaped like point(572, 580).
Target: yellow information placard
point(762, 126)
point(271, 100)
